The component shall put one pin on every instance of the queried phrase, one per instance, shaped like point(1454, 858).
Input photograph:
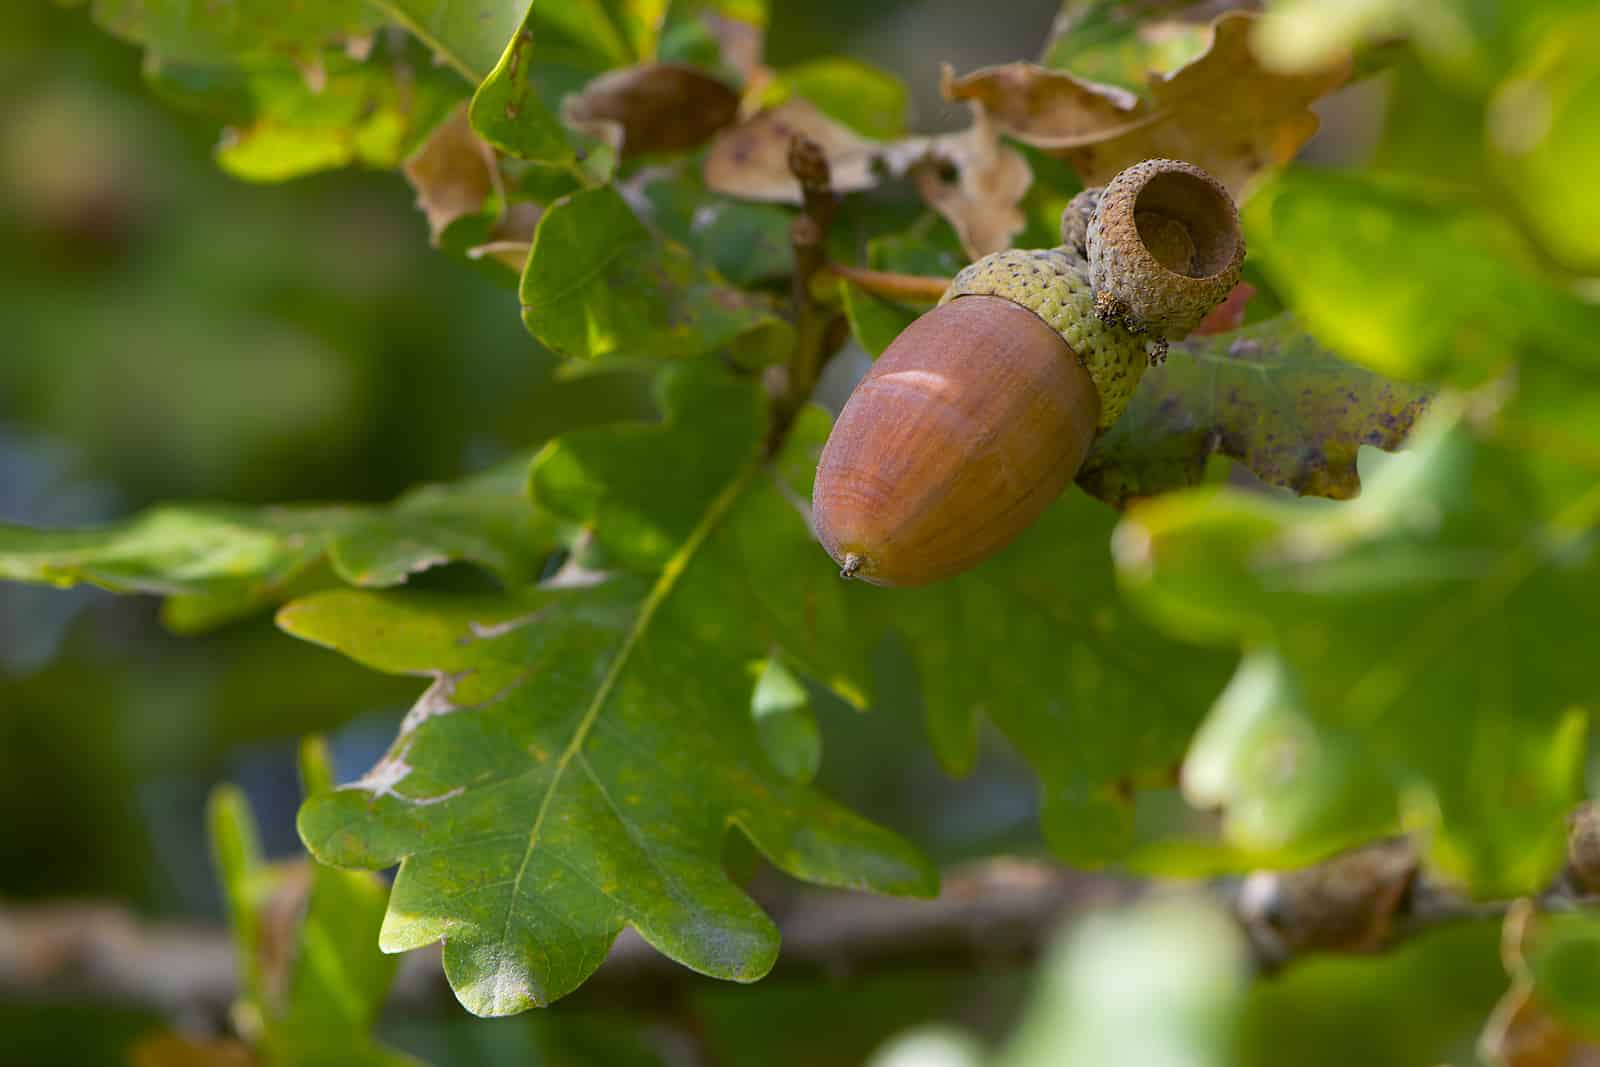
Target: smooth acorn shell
point(967, 427)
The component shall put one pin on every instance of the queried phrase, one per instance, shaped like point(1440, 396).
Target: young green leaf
point(312, 984)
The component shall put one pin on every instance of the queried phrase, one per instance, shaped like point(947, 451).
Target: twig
point(808, 234)
point(915, 288)
point(994, 915)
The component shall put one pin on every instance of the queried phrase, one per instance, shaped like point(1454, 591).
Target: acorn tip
point(852, 564)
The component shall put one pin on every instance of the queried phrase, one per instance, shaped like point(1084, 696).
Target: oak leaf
point(1224, 111)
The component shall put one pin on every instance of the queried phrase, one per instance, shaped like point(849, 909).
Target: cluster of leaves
point(1413, 658)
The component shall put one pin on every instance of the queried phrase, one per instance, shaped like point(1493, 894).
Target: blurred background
point(175, 333)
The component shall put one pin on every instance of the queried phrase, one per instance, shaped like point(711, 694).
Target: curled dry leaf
point(453, 172)
point(751, 160)
point(653, 107)
point(1224, 111)
point(968, 177)
point(512, 236)
point(988, 182)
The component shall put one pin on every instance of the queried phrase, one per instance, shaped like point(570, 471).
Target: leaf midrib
point(670, 573)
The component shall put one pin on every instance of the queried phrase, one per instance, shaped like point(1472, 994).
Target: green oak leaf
point(513, 112)
point(553, 51)
point(216, 563)
point(598, 282)
point(312, 1002)
point(469, 35)
point(240, 30)
point(744, 242)
point(1268, 395)
point(581, 754)
point(1437, 626)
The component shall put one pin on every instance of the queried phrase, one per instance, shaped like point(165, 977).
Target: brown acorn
point(980, 413)
point(916, 420)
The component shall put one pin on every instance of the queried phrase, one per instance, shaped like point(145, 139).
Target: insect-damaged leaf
point(1267, 395)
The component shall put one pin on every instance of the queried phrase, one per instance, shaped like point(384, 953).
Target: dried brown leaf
point(751, 160)
point(653, 107)
point(1046, 108)
point(512, 235)
point(983, 190)
point(1224, 111)
point(453, 172)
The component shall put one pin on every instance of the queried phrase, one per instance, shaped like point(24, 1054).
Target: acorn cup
point(980, 413)
point(1163, 247)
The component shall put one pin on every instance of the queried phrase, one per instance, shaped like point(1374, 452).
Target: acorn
point(979, 414)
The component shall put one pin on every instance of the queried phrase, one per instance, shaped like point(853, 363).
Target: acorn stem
point(917, 288)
